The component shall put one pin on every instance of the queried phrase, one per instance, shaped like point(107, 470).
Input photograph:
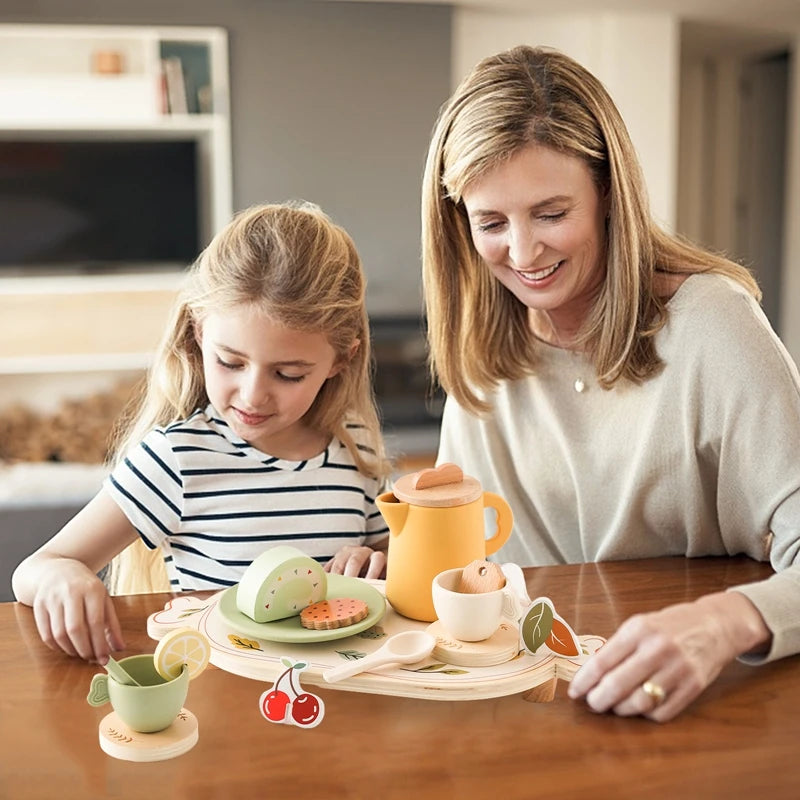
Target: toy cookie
point(331, 614)
point(280, 583)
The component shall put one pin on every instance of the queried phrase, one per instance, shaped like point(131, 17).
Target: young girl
point(257, 427)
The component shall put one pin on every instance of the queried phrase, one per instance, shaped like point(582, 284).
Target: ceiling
point(769, 15)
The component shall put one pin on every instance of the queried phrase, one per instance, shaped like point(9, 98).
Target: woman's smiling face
point(538, 221)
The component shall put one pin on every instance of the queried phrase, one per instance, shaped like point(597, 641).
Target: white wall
point(710, 147)
point(694, 168)
point(637, 57)
point(790, 295)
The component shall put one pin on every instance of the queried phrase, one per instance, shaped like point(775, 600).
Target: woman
point(619, 386)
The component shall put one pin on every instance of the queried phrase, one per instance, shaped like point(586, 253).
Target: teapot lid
point(444, 486)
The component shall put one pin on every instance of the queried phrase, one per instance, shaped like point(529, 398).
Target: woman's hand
point(680, 649)
point(355, 562)
point(73, 611)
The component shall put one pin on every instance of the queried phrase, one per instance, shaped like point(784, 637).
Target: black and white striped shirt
point(213, 503)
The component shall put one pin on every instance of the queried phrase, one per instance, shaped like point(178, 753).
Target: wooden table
point(740, 739)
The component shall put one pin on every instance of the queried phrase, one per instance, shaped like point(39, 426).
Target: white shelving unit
point(50, 87)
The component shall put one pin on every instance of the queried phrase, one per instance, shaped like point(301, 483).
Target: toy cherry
point(287, 703)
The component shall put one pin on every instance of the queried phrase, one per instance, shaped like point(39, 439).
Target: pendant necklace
point(579, 384)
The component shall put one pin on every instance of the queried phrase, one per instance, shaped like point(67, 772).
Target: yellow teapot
point(436, 522)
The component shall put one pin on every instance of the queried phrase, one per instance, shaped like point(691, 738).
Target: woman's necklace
point(579, 384)
point(577, 366)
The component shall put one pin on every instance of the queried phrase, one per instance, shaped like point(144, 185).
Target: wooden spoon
point(402, 648)
point(119, 673)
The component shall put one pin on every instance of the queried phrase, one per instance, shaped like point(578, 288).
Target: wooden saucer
point(501, 646)
point(119, 741)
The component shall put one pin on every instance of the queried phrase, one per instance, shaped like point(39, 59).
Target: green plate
point(290, 629)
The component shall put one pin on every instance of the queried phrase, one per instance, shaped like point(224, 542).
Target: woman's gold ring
point(655, 691)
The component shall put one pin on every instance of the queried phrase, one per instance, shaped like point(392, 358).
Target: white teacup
point(471, 617)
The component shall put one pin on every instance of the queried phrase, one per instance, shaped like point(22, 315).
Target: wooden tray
point(433, 679)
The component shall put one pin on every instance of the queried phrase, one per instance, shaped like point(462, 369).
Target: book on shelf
point(175, 85)
point(195, 62)
point(163, 96)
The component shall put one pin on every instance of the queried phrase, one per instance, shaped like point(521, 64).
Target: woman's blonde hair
point(302, 271)
point(478, 331)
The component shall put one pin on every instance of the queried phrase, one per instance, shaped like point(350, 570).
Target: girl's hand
point(72, 609)
point(74, 612)
point(358, 562)
point(680, 649)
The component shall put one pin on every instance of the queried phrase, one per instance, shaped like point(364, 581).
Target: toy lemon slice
point(183, 646)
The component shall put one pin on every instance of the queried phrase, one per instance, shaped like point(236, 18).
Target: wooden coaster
point(119, 741)
point(501, 646)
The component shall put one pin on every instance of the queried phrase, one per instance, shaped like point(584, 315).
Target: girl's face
point(263, 377)
point(538, 222)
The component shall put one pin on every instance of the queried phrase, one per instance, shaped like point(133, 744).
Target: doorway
point(732, 148)
point(763, 90)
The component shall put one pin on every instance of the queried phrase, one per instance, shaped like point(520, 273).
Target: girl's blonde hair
point(302, 271)
point(478, 331)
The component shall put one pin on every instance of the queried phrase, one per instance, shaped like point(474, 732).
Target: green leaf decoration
point(287, 662)
point(375, 632)
point(351, 655)
point(299, 665)
point(442, 669)
point(190, 611)
point(537, 624)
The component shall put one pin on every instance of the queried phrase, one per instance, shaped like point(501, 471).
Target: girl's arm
point(71, 606)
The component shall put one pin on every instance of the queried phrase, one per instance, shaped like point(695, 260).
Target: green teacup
point(148, 708)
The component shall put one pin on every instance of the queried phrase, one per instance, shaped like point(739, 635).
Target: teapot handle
point(437, 476)
point(505, 521)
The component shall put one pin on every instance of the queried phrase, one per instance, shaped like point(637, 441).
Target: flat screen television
point(77, 206)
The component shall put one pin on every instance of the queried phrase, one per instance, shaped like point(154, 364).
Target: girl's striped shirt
point(213, 503)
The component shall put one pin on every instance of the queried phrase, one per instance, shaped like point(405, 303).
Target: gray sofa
point(35, 502)
point(23, 530)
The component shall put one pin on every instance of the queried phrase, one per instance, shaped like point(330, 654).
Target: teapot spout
point(393, 511)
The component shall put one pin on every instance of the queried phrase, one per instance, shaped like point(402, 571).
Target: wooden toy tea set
point(384, 636)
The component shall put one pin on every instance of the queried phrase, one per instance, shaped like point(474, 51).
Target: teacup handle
point(505, 520)
point(98, 690)
point(511, 606)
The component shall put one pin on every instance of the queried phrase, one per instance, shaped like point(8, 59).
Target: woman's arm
point(71, 606)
